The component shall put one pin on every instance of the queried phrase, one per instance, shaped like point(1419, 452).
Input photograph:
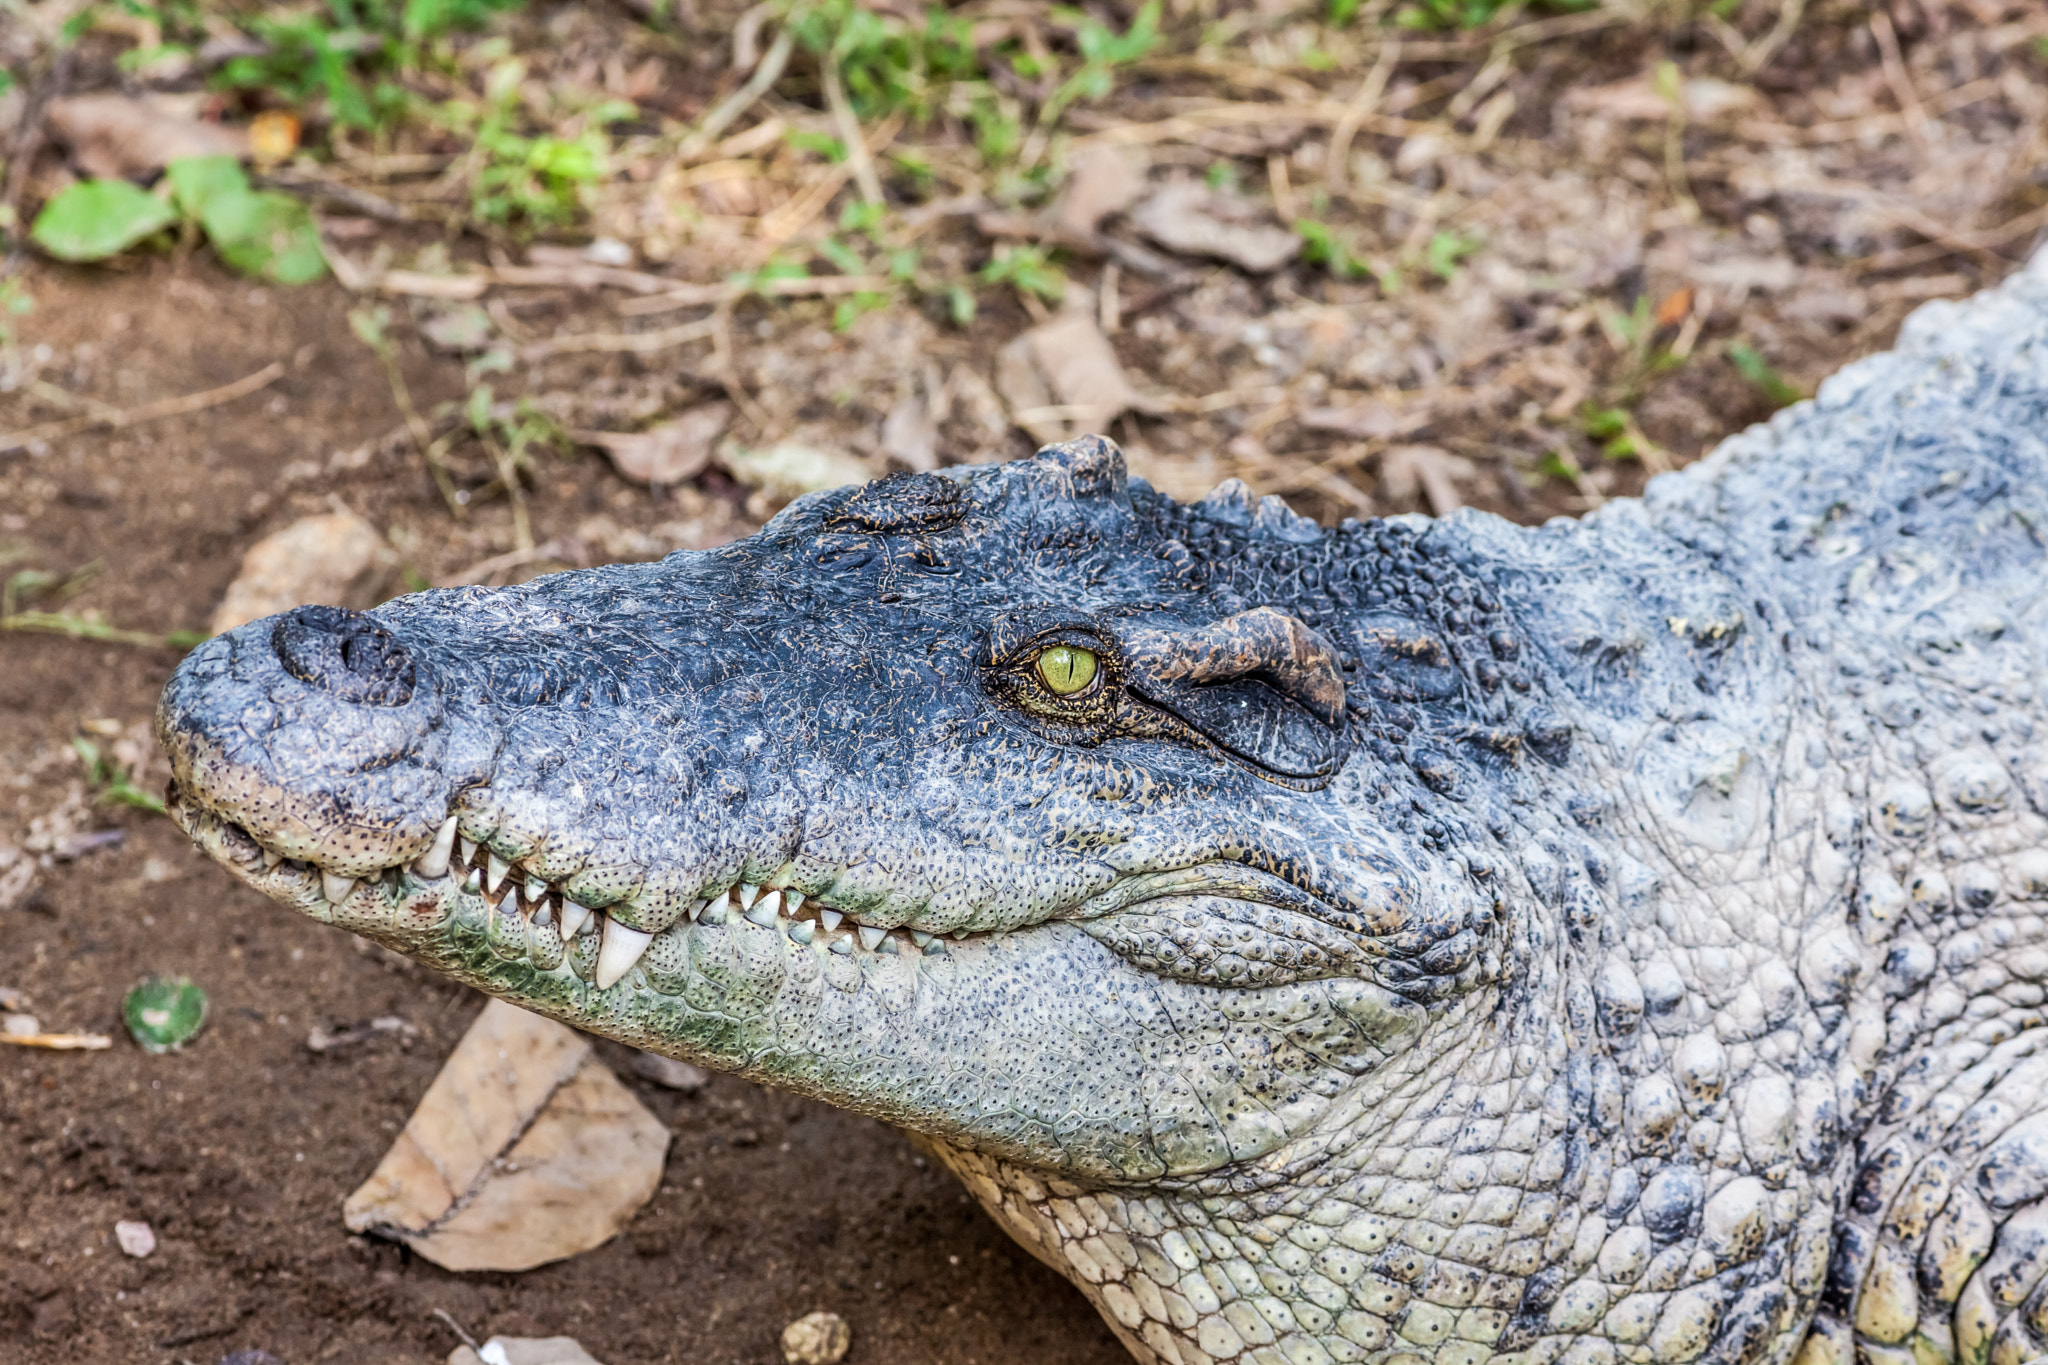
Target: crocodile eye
point(1067, 670)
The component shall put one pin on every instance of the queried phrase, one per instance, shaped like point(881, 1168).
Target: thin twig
point(1356, 109)
point(739, 101)
point(619, 343)
point(1896, 76)
point(148, 412)
point(702, 295)
point(857, 158)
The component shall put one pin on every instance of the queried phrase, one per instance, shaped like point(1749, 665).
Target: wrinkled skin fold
point(1409, 942)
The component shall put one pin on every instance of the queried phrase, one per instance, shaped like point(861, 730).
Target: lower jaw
point(455, 923)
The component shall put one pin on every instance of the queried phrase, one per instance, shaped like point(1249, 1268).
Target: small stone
point(525, 1351)
point(20, 1025)
point(816, 1339)
point(669, 1073)
point(135, 1238)
point(321, 559)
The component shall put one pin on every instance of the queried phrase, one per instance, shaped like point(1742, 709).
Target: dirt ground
point(1618, 268)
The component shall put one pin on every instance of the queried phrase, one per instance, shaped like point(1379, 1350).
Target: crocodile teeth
point(618, 952)
point(747, 893)
point(841, 946)
point(920, 938)
point(830, 918)
point(870, 938)
point(495, 869)
point(535, 888)
point(271, 858)
point(336, 887)
point(466, 846)
point(802, 930)
point(792, 901)
point(573, 916)
point(697, 910)
point(434, 862)
point(473, 881)
point(762, 913)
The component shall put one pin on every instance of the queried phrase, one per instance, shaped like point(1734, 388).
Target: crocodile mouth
point(525, 916)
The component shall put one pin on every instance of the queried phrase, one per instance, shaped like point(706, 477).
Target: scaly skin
point(1421, 942)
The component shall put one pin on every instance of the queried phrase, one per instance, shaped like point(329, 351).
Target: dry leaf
point(909, 435)
point(1366, 420)
point(1194, 220)
point(669, 452)
point(524, 1150)
point(116, 136)
point(1637, 98)
point(1063, 377)
point(1105, 180)
point(784, 472)
point(325, 559)
point(1406, 469)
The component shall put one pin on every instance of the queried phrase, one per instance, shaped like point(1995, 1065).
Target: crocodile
point(1413, 941)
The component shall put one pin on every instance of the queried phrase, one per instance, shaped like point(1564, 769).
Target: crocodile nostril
point(346, 653)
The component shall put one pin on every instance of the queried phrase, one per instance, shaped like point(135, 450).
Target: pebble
point(136, 1239)
point(816, 1339)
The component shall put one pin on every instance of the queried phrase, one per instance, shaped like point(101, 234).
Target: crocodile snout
point(345, 653)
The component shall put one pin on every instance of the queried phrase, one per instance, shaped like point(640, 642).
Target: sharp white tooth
point(748, 893)
point(619, 951)
point(761, 913)
point(271, 858)
point(802, 930)
point(473, 880)
point(830, 918)
point(920, 938)
point(573, 916)
point(434, 862)
point(891, 945)
point(841, 946)
point(713, 912)
point(870, 938)
point(467, 848)
point(792, 901)
point(773, 900)
point(697, 910)
point(535, 888)
point(545, 915)
point(336, 886)
point(494, 873)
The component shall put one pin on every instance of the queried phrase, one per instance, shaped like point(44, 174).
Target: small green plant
point(888, 64)
point(351, 53)
point(262, 233)
point(1103, 50)
point(1322, 245)
point(110, 782)
point(1445, 250)
point(1028, 270)
point(532, 180)
point(1615, 431)
point(1455, 14)
point(1751, 365)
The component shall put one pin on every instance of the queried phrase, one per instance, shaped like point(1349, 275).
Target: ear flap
point(1261, 684)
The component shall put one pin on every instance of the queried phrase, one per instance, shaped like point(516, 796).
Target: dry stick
point(739, 101)
point(1896, 76)
point(1355, 111)
point(1763, 49)
point(28, 141)
point(627, 343)
point(700, 295)
point(792, 218)
point(148, 412)
point(857, 157)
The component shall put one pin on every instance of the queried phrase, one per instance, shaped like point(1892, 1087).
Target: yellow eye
point(1066, 670)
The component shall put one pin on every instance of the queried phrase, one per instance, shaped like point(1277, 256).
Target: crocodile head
point(1024, 809)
